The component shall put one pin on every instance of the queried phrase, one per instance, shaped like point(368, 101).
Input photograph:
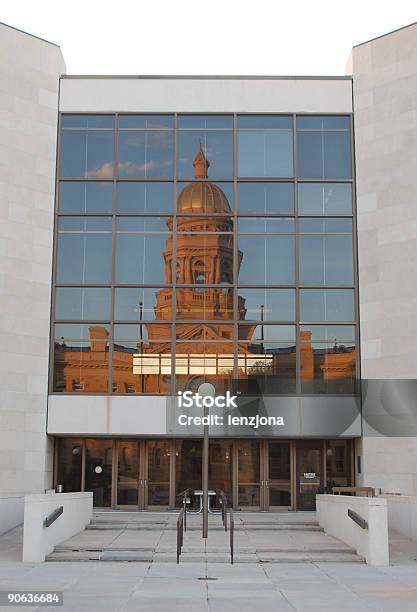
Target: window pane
point(84, 224)
point(79, 331)
point(85, 197)
point(134, 252)
point(204, 259)
point(142, 332)
point(144, 197)
point(217, 148)
point(141, 367)
point(88, 155)
point(261, 333)
point(266, 198)
point(205, 121)
point(204, 331)
point(145, 155)
point(322, 121)
point(265, 154)
point(329, 333)
point(82, 367)
point(204, 225)
point(132, 304)
point(146, 121)
point(323, 226)
point(264, 121)
point(87, 121)
point(266, 260)
point(266, 304)
point(326, 260)
point(204, 197)
point(266, 368)
point(203, 362)
point(327, 367)
point(265, 226)
point(323, 155)
point(84, 258)
point(79, 303)
point(209, 304)
point(324, 199)
point(327, 304)
point(134, 225)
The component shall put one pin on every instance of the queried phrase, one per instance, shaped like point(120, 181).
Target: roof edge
point(208, 77)
point(409, 25)
point(49, 42)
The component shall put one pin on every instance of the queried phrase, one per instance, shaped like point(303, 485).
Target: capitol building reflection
point(214, 339)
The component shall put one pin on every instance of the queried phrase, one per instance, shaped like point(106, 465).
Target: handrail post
point(232, 529)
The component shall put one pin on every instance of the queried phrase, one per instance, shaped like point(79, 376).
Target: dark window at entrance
point(69, 464)
point(188, 465)
point(279, 466)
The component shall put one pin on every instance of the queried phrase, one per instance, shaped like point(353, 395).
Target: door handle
point(145, 482)
point(141, 481)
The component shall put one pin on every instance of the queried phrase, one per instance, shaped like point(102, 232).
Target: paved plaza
point(251, 584)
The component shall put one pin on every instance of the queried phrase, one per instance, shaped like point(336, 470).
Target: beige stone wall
point(29, 83)
point(385, 107)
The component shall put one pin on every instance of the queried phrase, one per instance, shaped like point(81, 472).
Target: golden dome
point(204, 197)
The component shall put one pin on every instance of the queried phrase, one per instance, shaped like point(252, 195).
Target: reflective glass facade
point(194, 248)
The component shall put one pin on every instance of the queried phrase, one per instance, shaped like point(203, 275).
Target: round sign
point(98, 469)
point(207, 390)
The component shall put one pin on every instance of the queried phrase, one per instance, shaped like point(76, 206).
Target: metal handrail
point(51, 518)
point(232, 536)
point(182, 522)
point(180, 533)
point(357, 518)
point(223, 501)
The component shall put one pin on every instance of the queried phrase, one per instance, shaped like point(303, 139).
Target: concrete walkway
point(218, 587)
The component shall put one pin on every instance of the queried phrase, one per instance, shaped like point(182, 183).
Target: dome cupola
point(202, 196)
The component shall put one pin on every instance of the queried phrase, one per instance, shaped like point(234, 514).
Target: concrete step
point(211, 557)
point(172, 527)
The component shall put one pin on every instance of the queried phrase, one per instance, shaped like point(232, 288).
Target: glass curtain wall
point(194, 248)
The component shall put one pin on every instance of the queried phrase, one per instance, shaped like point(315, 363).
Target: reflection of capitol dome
point(202, 197)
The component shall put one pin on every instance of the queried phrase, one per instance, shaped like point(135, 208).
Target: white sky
point(207, 36)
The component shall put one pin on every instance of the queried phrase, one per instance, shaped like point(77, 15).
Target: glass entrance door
point(188, 467)
point(277, 470)
point(98, 471)
point(129, 490)
point(157, 480)
point(309, 473)
point(248, 474)
point(221, 467)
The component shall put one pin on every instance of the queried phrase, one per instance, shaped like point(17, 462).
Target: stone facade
point(29, 84)
point(384, 94)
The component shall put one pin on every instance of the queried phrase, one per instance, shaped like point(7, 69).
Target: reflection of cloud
point(102, 172)
point(129, 168)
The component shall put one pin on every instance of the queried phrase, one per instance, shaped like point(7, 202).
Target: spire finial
point(200, 163)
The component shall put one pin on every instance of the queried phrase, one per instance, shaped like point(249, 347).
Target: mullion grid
point(235, 215)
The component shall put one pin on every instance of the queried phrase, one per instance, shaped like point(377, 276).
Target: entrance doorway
point(267, 474)
point(309, 473)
